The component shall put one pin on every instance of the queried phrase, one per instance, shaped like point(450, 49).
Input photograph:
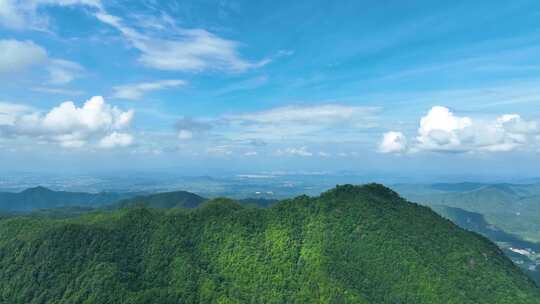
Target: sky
point(400, 87)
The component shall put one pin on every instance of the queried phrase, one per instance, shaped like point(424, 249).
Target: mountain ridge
point(41, 197)
point(351, 244)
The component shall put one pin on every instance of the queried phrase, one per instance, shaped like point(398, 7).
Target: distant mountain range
point(43, 198)
point(515, 208)
point(525, 254)
point(352, 244)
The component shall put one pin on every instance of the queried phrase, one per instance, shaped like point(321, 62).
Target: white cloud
point(327, 122)
point(72, 126)
point(327, 113)
point(63, 71)
point(136, 91)
point(57, 91)
point(221, 150)
point(442, 131)
point(18, 14)
point(323, 154)
point(301, 151)
point(186, 50)
point(116, 139)
point(188, 128)
point(250, 153)
point(10, 111)
point(190, 50)
point(24, 14)
point(20, 55)
point(393, 142)
point(185, 134)
point(281, 127)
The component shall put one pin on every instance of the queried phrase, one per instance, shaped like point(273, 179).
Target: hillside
point(514, 208)
point(352, 244)
point(42, 198)
point(523, 253)
point(164, 200)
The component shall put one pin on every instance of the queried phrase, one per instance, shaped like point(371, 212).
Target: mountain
point(43, 198)
point(457, 187)
point(523, 253)
point(488, 198)
point(352, 244)
point(184, 199)
point(515, 208)
point(164, 200)
point(474, 222)
point(257, 202)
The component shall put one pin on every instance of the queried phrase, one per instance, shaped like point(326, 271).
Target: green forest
point(351, 244)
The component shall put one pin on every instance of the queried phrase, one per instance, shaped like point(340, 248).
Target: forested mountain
point(524, 254)
point(43, 198)
point(164, 200)
point(352, 244)
point(515, 208)
point(184, 199)
point(45, 202)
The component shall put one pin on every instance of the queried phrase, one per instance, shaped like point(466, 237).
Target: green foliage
point(476, 222)
point(353, 244)
point(515, 208)
point(42, 198)
point(163, 200)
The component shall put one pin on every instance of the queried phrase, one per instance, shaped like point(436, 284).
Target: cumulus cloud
point(393, 142)
point(137, 90)
point(18, 56)
point(443, 131)
point(72, 126)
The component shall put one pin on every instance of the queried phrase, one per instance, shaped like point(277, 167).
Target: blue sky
point(406, 87)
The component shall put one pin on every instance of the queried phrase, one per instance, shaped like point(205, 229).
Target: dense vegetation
point(476, 222)
point(42, 198)
point(164, 200)
point(352, 244)
point(515, 208)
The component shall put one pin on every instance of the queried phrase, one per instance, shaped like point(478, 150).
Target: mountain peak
point(370, 189)
point(37, 189)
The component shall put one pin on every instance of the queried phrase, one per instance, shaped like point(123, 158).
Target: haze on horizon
point(420, 88)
